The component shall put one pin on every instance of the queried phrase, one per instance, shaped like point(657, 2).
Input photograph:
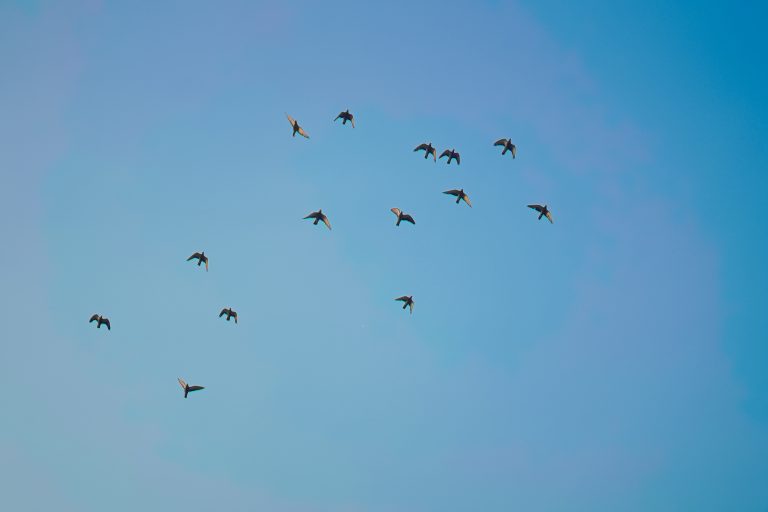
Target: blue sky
point(612, 361)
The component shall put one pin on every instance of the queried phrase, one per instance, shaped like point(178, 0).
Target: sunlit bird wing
point(182, 383)
point(465, 197)
point(549, 216)
point(396, 211)
point(290, 119)
point(326, 221)
point(303, 133)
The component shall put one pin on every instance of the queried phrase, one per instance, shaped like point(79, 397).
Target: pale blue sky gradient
point(615, 360)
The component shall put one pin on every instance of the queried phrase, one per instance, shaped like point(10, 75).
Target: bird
point(508, 146)
point(296, 127)
point(402, 216)
point(460, 194)
point(187, 388)
point(229, 313)
point(543, 211)
point(428, 150)
point(408, 301)
point(346, 116)
point(100, 320)
point(201, 258)
point(451, 154)
point(319, 216)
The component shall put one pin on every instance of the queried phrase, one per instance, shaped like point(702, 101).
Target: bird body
point(428, 150)
point(460, 194)
point(201, 258)
point(296, 128)
point(451, 154)
point(407, 301)
point(187, 388)
point(346, 116)
point(319, 216)
point(401, 216)
point(230, 314)
point(508, 146)
point(543, 212)
point(100, 320)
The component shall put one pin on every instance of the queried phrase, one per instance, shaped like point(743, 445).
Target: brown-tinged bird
point(201, 258)
point(187, 388)
point(319, 216)
point(296, 128)
point(229, 313)
point(451, 154)
point(508, 146)
point(346, 116)
point(460, 194)
point(543, 211)
point(408, 301)
point(402, 216)
point(100, 320)
point(428, 150)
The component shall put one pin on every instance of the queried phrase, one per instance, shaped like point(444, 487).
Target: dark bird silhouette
point(319, 216)
point(296, 128)
point(408, 301)
point(229, 313)
point(187, 388)
point(201, 258)
point(508, 146)
point(460, 194)
point(402, 216)
point(543, 211)
point(451, 154)
point(100, 320)
point(346, 116)
point(428, 150)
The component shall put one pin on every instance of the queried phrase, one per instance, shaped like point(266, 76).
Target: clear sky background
point(615, 360)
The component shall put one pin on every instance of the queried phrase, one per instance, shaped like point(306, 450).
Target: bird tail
point(458, 198)
point(405, 305)
point(504, 151)
point(541, 215)
point(398, 221)
point(186, 392)
point(316, 221)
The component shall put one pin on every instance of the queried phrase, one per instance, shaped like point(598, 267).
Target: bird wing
point(223, 312)
point(312, 215)
point(105, 321)
point(196, 255)
point(404, 298)
point(337, 117)
point(325, 220)
point(195, 388)
point(422, 146)
point(93, 318)
point(500, 142)
point(206, 264)
point(434, 153)
point(453, 192)
point(396, 211)
point(447, 152)
point(465, 197)
point(303, 133)
point(458, 158)
point(514, 150)
point(408, 218)
point(549, 216)
point(182, 383)
point(536, 207)
point(352, 120)
point(290, 119)
point(410, 304)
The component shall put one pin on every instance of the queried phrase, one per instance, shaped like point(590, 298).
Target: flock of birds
point(319, 216)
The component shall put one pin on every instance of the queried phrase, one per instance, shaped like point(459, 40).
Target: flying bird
point(296, 127)
point(402, 216)
point(100, 320)
point(543, 211)
point(201, 258)
point(428, 150)
point(451, 154)
point(460, 194)
point(508, 146)
point(187, 388)
point(319, 216)
point(408, 301)
point(229, 313)
point(346, 116)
